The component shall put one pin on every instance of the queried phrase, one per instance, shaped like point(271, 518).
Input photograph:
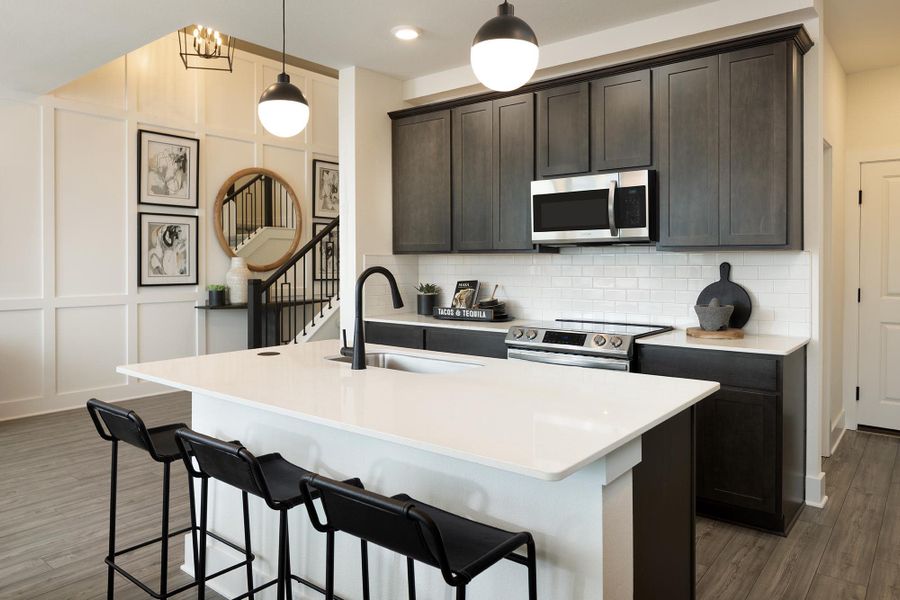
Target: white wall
point(872, 133)
point(365, 146)
point(70, 307)
point(836, 205)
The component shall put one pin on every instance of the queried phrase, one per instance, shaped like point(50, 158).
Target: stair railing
point(259, 202)
point(284, 306)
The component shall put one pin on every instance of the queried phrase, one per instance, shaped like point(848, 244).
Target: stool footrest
point(111, 562)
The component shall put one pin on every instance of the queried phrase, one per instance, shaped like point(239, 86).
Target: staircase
point(299, 301)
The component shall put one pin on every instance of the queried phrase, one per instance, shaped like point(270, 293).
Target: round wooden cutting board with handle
point(729, 292)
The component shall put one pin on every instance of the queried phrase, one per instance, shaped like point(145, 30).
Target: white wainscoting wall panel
point(70, 306)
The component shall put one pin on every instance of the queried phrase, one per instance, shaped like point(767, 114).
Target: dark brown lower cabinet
point(664, 515)
point(750, 435)
point(438, 339)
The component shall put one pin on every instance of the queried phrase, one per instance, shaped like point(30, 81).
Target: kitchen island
point(541, 448)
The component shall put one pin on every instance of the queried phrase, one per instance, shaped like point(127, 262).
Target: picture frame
point(168, 169)
point(325, 191)
point(324, 268)
point(167, 249)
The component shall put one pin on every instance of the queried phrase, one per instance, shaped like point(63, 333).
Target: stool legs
point(411, 577)
point(289, 595)
point(247, 552)
point(164, 550)
point(461, 593)
point(201, 551)
point(364, 552)
point(281, 533)
point(329, 565)
point(532, 571)
point(110, 572)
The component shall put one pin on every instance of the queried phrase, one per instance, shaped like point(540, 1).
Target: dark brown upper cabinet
point(621, 121)
point(729, 150)
point(563, 131)
point(493, 165)
point(473, 150)
point(421, 183)
point(687, 137)
point(754, 134)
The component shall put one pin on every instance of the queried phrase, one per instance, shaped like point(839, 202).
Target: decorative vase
point(426, 304)
point(236, 280)
point(216, 297)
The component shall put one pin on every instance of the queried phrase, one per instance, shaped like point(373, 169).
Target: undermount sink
point(410, 364)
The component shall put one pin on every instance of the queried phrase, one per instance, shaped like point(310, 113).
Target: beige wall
point(873, 109)
point(70, 306)
point(836, 205)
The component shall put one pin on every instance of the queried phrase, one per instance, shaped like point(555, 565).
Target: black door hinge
point(858, 295)
point(860, 197)
point(857, 393)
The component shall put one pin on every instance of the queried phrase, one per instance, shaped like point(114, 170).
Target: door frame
point(853, 184)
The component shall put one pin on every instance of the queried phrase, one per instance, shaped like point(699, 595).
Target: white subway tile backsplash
point(623, 283)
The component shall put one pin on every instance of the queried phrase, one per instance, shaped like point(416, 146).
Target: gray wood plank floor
point(54, 471)
point(849, 550)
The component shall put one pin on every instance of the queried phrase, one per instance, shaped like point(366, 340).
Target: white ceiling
point(46, 43)
point(864, 33)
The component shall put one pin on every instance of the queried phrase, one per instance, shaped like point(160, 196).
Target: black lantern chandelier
point(205, 48)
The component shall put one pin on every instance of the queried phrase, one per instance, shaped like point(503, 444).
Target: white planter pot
point(236, 280)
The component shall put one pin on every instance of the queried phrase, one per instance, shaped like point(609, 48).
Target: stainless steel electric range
point(591, 344)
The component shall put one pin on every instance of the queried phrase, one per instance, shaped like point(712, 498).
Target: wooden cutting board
point(729, 292)
point(724, 334)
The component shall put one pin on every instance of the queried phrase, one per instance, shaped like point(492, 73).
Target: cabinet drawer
point(389, 334)
point(728, 368)
point(477, 343)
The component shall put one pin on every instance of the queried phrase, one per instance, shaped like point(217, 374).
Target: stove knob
point(599, 340)
point(531, 334)
point(616, 341)
point(518, 333)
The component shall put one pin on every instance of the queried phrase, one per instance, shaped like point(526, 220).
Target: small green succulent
point(428, 288)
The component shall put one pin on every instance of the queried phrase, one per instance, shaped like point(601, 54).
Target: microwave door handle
point(611, 207)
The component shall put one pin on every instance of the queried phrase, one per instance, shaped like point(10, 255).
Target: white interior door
point(879, 311)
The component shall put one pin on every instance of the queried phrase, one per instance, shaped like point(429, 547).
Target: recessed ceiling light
point(406, 32)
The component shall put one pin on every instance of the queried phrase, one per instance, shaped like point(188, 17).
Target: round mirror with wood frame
point(257, 216)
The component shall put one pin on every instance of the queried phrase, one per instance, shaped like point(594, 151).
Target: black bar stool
point(277, 482)
point(160, 443)
point(460, 548)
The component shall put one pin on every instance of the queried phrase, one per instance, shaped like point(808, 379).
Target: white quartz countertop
point(537, 420)
point(425, 321)
point(776, 345)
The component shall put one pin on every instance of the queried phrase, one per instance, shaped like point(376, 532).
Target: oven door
point(571, 360)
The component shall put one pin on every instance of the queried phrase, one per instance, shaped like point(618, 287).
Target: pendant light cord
point(283, 34)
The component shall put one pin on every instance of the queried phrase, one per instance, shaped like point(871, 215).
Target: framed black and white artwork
point(167, 249)
point(167, 169)
point(326, 200)
point(326, 254)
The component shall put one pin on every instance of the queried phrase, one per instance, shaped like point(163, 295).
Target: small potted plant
point(216, 294)
point(427, 294)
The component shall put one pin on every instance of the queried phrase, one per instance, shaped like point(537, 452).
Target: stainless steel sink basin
point(410, 364)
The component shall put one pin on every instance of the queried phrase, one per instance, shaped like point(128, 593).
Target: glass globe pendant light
point(505, 51)
point(282, 108)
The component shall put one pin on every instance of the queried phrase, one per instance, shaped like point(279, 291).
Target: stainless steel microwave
point(604, 208)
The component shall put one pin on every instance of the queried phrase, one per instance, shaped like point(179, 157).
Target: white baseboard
point(837, 433)
point(815, 490)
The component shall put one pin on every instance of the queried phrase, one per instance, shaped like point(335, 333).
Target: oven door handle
point(571, 360)
point(611, 209)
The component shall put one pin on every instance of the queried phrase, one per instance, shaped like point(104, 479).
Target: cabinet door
point(461, 341)
point(513, 172)
point(620, 121)
point(736, 449)
point(753, 150)
point(687, 112)
point(563, 131)
point(472, 176)
point(391, 334)
point(421, 183)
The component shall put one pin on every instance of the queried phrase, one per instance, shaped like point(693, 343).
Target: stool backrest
point(121, 424)
point(228, 462)
point(393, 524)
